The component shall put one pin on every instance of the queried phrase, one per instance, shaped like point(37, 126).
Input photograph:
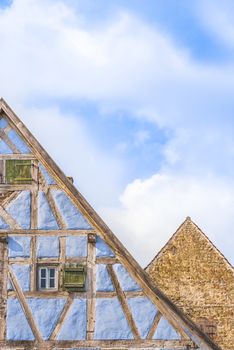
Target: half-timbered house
point(66, 280)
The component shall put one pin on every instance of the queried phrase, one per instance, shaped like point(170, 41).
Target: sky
point(134, 99)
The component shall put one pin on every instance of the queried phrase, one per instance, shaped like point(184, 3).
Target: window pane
point(43, 273)
point(52, 272)
point(43, 283)
point(52, 282)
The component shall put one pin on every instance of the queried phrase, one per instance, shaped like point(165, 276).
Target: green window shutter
point(18, 171)
point(74, 277)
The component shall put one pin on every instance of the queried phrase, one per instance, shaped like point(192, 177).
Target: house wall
point(199, 280)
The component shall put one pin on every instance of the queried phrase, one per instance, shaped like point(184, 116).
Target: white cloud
point(152, 209)
point(66, 138)
point(124, 63)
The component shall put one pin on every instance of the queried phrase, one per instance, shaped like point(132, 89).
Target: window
point(74, 278)
point(47, 278)
point(18, 171)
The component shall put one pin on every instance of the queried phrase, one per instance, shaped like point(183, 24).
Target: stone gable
point(199, 280)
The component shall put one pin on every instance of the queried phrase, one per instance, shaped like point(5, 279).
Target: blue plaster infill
point(103, 280)
point(47, 247)
point(46, 313)
point(74, 327)
point(22, 273)
point(3, 123)
point(49, 180)
point(165, 331)
point(102, 249)
point(17, 327)
point(18, 142)
point(126, 281)
point(20, 209)
point(46, 219)
point(4, 148)
point(18, 246)
point(3, 224)
point(111, 322)
point(143, 312)
point(76, 246)
point(71, 215)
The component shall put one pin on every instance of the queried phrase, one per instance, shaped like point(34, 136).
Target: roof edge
point(151, 290)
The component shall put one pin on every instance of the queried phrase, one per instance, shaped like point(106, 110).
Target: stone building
point(193, 273)
point(66, 281)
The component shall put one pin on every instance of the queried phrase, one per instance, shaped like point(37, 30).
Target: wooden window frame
point(47, 278)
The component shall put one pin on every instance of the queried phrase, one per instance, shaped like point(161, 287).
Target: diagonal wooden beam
point(51, 201)
point(154, 326)
point(9, 143)
point(9, 219)
point(25, 306)
point(123, 302)
point(62, 318)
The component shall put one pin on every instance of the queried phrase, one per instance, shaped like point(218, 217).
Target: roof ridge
point(188, 219)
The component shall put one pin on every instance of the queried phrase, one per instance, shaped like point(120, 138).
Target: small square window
point(47, 278)
point(18, 171)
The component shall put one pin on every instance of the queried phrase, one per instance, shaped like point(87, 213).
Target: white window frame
point(47, 278)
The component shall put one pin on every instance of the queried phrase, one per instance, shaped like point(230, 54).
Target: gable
point(198, 278)
point(62, 227)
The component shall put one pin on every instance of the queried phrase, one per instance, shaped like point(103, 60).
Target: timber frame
point(164, 305)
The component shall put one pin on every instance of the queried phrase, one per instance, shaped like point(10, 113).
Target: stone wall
point(195, 275)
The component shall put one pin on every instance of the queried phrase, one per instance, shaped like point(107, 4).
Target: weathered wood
point(17, 156)
point(10, 144)
point(105, 344)
point(154, 326)
point(62, 250)
point(33, 263)
point(9, 219)
point(34, 195)
point(25, 306)
point(106, 260)
point(123, 302)
point(10, 198)
point(55, 210)
point(91, 290)
point(21, 232)
point(50, 294)
point(3, 288)
point(62, 318)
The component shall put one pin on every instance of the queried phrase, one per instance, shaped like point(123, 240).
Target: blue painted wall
point(111, 322)
point(76, 246)
point(17, 324)
point(46, 219)
point(126, 281)
point(20, 209)
point(102, 249)
point(47, 247)
point(74, 327)
point(103, 280)
point(19, 246)
point(18, 142)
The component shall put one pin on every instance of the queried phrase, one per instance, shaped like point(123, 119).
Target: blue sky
point(141, 92)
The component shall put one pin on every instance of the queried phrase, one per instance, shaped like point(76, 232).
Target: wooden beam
point(21, 232)
point(62, 318)
point(33, 263)
point(9, 219)
point(102, 344)
point(154, 326)
point(91, 290)
point(18, 156)
point(25, 306)
point(9, 143)
point(3, 288)
point(123, 302)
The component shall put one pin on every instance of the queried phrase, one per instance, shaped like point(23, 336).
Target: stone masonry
point(199, 280)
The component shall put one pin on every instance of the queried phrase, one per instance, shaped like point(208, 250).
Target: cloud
point(125, 64)
point(152, 209)
point(66, 138)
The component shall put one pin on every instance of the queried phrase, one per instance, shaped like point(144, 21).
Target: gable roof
point(197, 228)
point(174, 315)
